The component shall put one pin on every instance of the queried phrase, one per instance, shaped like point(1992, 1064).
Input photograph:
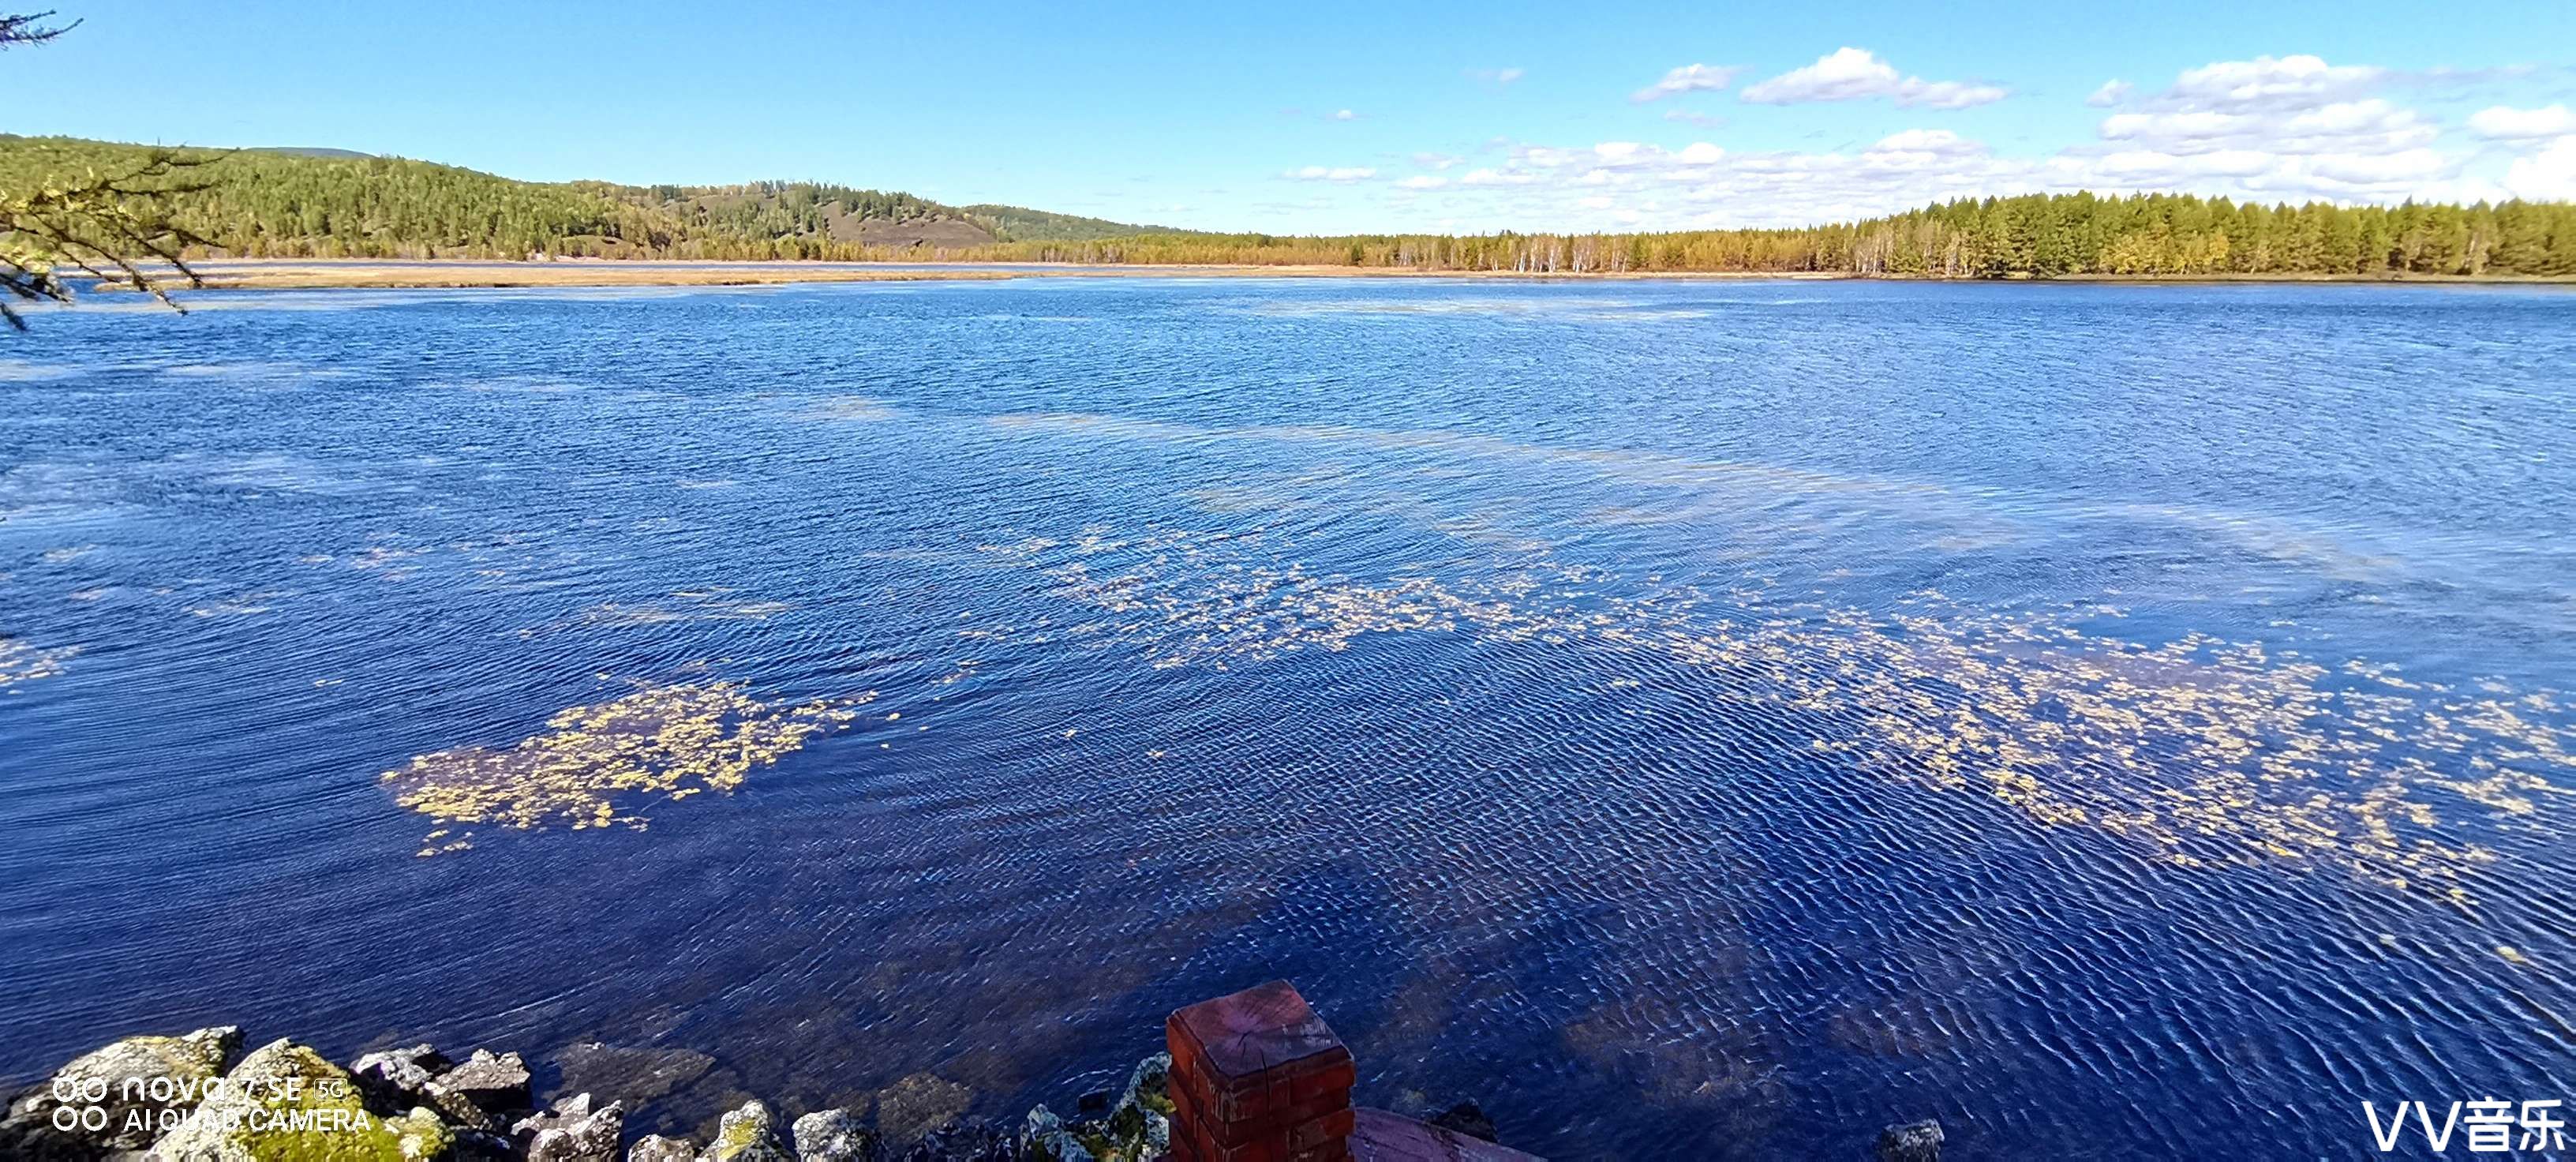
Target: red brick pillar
point(1258, 1077)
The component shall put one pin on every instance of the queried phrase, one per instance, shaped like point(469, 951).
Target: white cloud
point(2546, 176)
point(2505, 123)
point(2271, 83)
point(1687, 79)
point(1852, 74)
point(1344, 115)
point(1317, 173)
point(1428, 160)
point(2111, 93)
point(1498, 76)
point(2269, 129)
point(1924, 141)
point(1695, 117)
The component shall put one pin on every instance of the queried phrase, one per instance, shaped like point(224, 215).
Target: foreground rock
point(833, 1136)
point(144, 1087)
point(573, 1132)
point(749, 1134)
point(398, 1079)
point(486, 1093)
point(186, 1099)
point(964, 1140)
point(285, 1101)
point(656, 1148)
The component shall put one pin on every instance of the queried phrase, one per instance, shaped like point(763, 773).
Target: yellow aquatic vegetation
point(20, 662)
point(2200, 749)
point(592, 764)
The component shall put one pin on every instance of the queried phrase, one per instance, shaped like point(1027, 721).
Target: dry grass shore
point(288, 274)
point(293, 274)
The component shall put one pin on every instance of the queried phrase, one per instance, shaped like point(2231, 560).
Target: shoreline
point(497, 274)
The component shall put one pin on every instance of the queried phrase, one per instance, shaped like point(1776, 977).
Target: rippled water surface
point(1708, 719)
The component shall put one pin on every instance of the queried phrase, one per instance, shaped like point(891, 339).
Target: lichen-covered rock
point(286, 1103)
point(485, 1093)
point(1914, 1142)
point(749, 1134)
point(1138, 1127)
point(573, 1132)
point(1467, 1118)
point(834, 1136)
point(398, 1079)
point(964, 1140)
point(1044, 1138)
point(656, 1148)
point(121, 1096)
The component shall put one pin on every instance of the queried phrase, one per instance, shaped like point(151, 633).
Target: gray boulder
point(748, 1134)
point(1044, 1138)
point(485, 1093)
point(964, 1140)
point(144, 1087)
point(1913, 1142)
point(573, 1132)
point(656, 1148)
point(834, 1136)
point(398, 1079)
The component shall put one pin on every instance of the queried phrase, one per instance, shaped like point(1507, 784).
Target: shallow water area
point(1689, 719)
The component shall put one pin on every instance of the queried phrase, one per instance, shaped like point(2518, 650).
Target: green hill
point(311, 202)
point(307, 202)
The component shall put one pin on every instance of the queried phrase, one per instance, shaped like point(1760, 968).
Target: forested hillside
point(326, 203)
point(309, 203)
point(2037, 236)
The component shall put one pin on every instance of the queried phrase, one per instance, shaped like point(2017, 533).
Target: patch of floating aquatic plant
point(2200, 750)
point(598, 765)
point(21, 662)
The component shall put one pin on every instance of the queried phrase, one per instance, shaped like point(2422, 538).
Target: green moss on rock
point(287, 1103)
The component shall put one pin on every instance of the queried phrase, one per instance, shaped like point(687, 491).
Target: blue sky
point(1333, 117)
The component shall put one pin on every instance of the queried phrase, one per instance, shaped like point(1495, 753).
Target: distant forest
point(293, 203)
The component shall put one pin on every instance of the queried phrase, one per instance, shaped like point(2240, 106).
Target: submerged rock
point(834, 1136)
point(145, 1087)
point(1914, 1142)
point(1467, 1118)
point(749, 1134)
point(656, 1148)
point(913, 1106)
point(398, 1079)
point(286, 1101)
point(573, 1132)
point(630, 1074)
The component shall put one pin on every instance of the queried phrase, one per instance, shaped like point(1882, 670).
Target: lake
point(1708, 719)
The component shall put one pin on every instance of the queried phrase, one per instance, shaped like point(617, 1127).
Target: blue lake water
point(1690, 719)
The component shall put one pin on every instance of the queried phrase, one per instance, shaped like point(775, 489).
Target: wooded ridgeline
point(257, 203)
